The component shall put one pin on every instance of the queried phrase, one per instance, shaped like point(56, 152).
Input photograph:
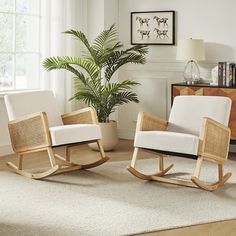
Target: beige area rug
point(109, 201)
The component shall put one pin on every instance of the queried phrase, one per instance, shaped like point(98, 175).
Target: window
point(19, 44)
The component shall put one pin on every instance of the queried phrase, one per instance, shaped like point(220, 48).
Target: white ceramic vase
point(109, 136)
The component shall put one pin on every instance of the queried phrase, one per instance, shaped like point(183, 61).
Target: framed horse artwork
point(153, 28)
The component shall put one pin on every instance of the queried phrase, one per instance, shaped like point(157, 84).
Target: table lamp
point(191, 50)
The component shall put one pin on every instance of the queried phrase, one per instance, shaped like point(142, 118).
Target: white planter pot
point(109, 136)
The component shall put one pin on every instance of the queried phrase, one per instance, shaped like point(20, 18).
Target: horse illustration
point(161, 21)
point(144, 33)
point(161, 33)
point(143, 21)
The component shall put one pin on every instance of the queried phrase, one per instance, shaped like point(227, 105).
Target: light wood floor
point(124, 152)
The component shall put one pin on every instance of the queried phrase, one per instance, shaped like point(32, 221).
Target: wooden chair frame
point(213, 146)
point(31, 134)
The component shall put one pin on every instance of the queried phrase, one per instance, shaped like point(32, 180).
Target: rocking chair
point(36, 125)
point(197, 128)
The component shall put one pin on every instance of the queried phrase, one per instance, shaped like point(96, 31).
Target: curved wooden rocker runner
point(194, 182)
point(67, 165)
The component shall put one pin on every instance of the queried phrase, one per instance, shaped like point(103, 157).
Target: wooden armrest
point(214, 139)
point(83, 116)
point(148, 122)
point(29, 132)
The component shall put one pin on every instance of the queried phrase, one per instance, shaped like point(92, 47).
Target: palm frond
point(112, 88)
point(121, 98)
point(81, 37)
point(86, 96)
point(52, 63)
point(65, 62)
point(121, 59)
point(106, 39)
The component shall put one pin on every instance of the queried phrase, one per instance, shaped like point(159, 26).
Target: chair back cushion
point(187, 112)
point(20, 104)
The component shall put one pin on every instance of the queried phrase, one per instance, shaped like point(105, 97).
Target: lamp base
point(188, 82)
point(191, 72)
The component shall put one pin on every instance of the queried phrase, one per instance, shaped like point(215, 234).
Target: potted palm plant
point(93, 73)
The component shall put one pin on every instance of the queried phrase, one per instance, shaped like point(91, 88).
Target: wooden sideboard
point(209, 90)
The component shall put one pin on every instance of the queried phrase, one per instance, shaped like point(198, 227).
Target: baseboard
point(5, 150)
point(126, 134)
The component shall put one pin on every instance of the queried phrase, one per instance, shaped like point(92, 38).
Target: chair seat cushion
point(67, 134)
point(167, 141)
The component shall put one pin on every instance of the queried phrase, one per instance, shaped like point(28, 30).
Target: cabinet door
point(182, 90)
point(226, 92)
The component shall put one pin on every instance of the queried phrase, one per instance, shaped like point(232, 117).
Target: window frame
point(14, 53)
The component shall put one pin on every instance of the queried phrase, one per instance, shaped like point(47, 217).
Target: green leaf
point(106, 39)
point(134, 54)
point(66, 62)
point(79, 35)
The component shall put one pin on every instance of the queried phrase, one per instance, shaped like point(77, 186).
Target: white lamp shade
point(191, 49)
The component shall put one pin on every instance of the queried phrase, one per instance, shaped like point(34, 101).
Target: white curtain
point(57, 17)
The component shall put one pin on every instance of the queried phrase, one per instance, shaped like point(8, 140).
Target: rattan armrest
point(83, 116)
point(29, 132)
point(214, 139)
point(148, 122)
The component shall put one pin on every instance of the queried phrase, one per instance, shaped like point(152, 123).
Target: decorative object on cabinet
point(214, 76)
point(209, 90)
point(226, 74)
point(36, 125)
point(153, 28)
point(191, 50)
point(197, 127)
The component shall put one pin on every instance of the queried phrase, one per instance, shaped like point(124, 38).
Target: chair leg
point(67, 161)
point(206, 186)
point(19, 169)
point(100, 147)
point(134, 158)
point(198, 167)
point(143, 176)
point(68, 153)
point(223, 178)
point(103, 159)
point(161, 163)
point(220, 171)
point(51, 156)
point(20, 161)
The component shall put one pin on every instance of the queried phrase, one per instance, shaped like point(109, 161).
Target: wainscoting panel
point(152, 94)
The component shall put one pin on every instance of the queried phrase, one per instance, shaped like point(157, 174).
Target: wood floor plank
point(222, 228)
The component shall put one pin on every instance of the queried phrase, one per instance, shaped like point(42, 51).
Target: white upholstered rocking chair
point(197, 127)
point(36, 125)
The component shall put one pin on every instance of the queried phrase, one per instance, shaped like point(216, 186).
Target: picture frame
point(153, 28)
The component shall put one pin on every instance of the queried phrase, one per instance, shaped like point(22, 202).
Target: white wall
point(101, 14)
point(213, 21)
point(95, 18)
